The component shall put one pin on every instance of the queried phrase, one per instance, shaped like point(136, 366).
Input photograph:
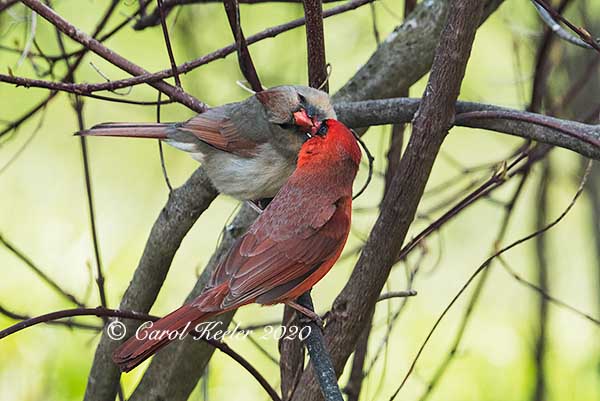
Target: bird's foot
point(306, 315)
point(254, 205)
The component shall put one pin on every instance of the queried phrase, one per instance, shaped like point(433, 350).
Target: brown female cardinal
point(248, 148)
point(289, 248)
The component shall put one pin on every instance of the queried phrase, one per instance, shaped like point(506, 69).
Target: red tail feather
point(132, 130)
point(149, 340)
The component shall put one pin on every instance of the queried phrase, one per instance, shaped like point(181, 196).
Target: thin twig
point(151, 78)
point(78, 108)
point(161, 155)
point(232, 9)
point(68, 323)
point(545, 294)
point(80, 54)
point(43, 276)
point(397, 294)
point(94, 45)
point(475, 296)
point(550, 16)
point(105, 313)
point(482, 267)
point(163, 23)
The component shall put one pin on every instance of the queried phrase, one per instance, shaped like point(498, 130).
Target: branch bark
point(578, 137)
point(232, 9)
point(315, 44)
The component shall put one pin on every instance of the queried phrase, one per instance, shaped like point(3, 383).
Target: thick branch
point(315, 44)
point(578, 137)
point(174, 372)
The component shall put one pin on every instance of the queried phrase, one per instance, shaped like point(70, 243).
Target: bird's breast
point(249, 178)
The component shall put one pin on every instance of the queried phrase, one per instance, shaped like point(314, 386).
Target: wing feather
point(259, 263)
point(215, 128)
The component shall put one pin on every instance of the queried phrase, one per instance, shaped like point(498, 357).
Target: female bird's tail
point(132, 130)
point(150, 339)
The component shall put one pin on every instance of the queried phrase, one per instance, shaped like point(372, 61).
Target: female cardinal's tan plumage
point(289, 248)
point(248, 148)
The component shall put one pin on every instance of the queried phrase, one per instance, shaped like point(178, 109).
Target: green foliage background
point(43, 211)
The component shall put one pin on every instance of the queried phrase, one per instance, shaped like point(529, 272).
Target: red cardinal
point(248, 148)
point(288, 249)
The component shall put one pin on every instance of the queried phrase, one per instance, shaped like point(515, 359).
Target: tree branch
point(43, 276)
point(153, 18)
point(112, 57)
point(578, 137)
point(174, 372)
point(315, 44)
point(104, 312)
point(152, 78)
point(244, 60)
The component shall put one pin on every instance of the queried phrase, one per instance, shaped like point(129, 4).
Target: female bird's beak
point(306, 123)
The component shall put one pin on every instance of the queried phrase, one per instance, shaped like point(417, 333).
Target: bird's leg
point(254, 206)
point(260, 204)
point(307, 313)
point(263, 203)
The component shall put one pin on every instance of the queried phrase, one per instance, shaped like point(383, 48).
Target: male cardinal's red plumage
point(289, 248)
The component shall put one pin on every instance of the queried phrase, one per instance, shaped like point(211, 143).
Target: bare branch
point(245, 61)
point(578, 137)
point(484, 265)
point(550, 16)
point(109, 55)
point(65, 323)
point(153, 18)
point(80, 54)
point(83, 88)
point(6, 4)
point(163, 23)
point(475, 296)
point(315, 43)
point(43, 276)
point(181, 211)
point(105, 312)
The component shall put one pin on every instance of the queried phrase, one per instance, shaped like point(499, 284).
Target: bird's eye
point(301, 98)
point(287, 125)
point(322, 131)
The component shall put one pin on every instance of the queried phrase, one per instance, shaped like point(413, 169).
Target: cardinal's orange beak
point(305, 122)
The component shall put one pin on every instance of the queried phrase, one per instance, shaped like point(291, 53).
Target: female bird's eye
point(287, 125)
point(302, 99)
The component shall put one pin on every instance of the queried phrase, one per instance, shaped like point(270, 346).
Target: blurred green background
point(43, 211)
